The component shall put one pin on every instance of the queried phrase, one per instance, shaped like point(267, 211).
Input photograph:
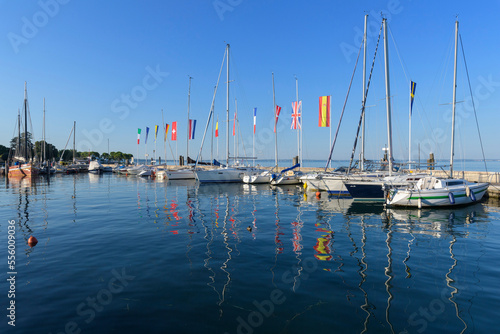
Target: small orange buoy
point(318, 194)
point(32, 241)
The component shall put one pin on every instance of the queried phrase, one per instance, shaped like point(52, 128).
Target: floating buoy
point(249, 228)
point(419, 203)
point(32, 241)
point(318, 194)
point(451, 198)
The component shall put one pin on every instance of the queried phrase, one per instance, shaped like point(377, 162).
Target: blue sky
point(113, 66)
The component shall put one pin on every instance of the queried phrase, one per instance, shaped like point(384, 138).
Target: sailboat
point(223, 173)
point(23, 166)
point(373, 188)
point(432, 191)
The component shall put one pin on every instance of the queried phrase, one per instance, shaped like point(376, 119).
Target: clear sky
point(113, 66)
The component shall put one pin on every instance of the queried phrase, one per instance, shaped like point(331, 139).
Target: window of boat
point(455, 183)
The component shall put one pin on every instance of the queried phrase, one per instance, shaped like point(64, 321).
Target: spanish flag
point(324, 111)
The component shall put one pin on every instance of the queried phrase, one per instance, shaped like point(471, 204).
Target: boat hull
point(25, 170)
point(437, 197)
point(333, 185)
point(181, 174)
point(225, 175)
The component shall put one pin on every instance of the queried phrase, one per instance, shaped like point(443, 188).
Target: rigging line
point(343, 109)
point(364, 102)
point(211, 109)
point(403, 65)
point(472, 100)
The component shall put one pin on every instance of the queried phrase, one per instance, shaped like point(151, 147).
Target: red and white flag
point(276, 114)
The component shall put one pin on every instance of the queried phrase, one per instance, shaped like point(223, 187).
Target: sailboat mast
point(362, 160)
point(44, 148)
point(388, 97)
point(25, 123)
point(189, 103)
point(298, 127)
point(275, 130)
point(18, 149)
point(74, 134)
point(454, 102)
point(227, 106)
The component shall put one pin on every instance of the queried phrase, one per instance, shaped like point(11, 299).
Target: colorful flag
point(166, 132)
point(278, 109)
point(254, 119)
point(138, 136)
point(413, 85)
point(296, 106)
point(147, 133)
point(156, 131)
point(217, 129)
point(174, 130)
point(234, 124)
point(324, 111)
point(192, 128)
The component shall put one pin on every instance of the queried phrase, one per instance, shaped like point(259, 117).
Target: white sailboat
point(432, 191)
point(222, 173)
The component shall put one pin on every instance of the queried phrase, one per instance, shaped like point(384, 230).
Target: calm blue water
point(127, 255)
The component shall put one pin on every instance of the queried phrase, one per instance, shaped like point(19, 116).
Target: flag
point(296, 106)
point(156, 131)
point(147, 132)
point(278, 109)
point(254, 119)
point(217, 129)
point(413, 85)
point(138, 136)
point(192, 128)
point(324, 111)
point(166, 132)
point(234, 124)
point(174, 130)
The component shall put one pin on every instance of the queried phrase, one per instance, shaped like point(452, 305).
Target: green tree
point(19, 149)
point(51, 150)
point(4, 153)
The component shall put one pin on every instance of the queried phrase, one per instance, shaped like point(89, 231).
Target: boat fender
point(467, 191)
point(273, 176)
point(451, 198)
point(318, 194)
point(305, 185)
point(472, 196)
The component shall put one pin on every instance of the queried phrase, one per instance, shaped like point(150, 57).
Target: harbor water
point(130, 255)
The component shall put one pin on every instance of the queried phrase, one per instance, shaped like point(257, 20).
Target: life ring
point(451, 198)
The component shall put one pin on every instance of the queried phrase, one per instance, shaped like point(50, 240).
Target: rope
point(364, 102)
point(473, 105)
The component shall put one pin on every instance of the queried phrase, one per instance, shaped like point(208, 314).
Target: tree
point(51, 150)
point(4, 153)
point(19, 151)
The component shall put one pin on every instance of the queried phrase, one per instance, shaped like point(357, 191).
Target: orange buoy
point(318, 194)
point(32, 241)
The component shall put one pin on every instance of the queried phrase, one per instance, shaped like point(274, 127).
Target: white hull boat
point(180, 174)
point(435, 192)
